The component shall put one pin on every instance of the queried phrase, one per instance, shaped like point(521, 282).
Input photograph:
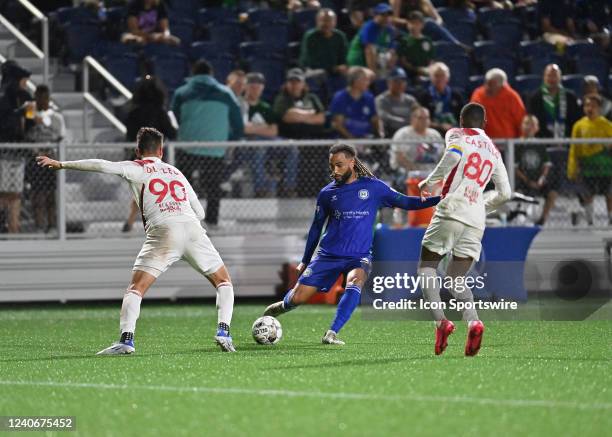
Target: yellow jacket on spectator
point(593, 159)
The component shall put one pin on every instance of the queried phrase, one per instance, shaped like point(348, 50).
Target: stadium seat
point(455, 14)
point(184, 30)
point(582, 49)
point(256, 49)
point(506, 63)
point(473, 83)
point(171, 70)
point(538, 64)
point(536, 49)
point(203, 49)
point(208, 16)
point(82, 39)
point(182, 9)
point(492, 16)
point(125, 68)
point(274, 72)
point(273, 35)
point(463, 30)
point(157, 49)
point(439, 3)
point(116, 22)
point(258, 17)
point(574, 82)
point(595, 66)
point(445, 49)
point(460, 71)
point(77, 14)
point(227, 36)
point(302, 21)
point(486, 49)
point(526, 84)
point(222, 65)
point(293, 52)
point(508, 34)
point(111, 48)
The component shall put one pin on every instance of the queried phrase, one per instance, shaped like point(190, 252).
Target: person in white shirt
point(171, 213)
point(470, 161)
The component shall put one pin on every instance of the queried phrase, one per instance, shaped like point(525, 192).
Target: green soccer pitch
point(530, 378)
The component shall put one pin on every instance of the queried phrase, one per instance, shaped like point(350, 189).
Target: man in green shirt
point(324, 47)
point(416, 51)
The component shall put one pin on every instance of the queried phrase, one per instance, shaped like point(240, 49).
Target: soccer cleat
point(275, 310)
point(330, 338)
point(119, 348)
point(474, 338)
point(445, 329)
point(224, 340)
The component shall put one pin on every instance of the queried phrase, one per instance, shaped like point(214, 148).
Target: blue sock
point(287, 304)
point(349, 301)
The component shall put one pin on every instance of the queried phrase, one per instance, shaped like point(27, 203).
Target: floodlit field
point(531, 378)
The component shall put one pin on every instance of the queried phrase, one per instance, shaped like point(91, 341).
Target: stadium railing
point(263, 186)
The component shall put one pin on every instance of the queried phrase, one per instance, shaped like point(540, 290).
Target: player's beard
point(345, 177)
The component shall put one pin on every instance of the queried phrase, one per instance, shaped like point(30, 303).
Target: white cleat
point(275, 310)
point(118, 349)
point(225, 343)
point(330, 338)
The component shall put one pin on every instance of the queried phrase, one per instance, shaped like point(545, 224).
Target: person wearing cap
point(555, 106)
point(394, 106)
point(591, 86)
point(353, 109)
point(261, 124)
point(416, 51)
point(15, 103)
point(373, 46)
point(504, 106)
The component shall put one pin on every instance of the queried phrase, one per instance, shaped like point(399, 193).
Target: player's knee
point(355, 283)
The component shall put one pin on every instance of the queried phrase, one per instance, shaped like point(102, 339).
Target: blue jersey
point(357, 114)
point(350, 211)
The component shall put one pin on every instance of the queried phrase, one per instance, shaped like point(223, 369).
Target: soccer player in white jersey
point(470, 161)
point(171, 213)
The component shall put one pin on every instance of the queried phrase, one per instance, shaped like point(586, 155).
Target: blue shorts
point(323, 271)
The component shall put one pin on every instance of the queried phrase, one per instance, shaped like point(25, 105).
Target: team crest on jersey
point(366, 110)
point(307, 272)
point(337, 214)
point(364, 194)
point(334, 198)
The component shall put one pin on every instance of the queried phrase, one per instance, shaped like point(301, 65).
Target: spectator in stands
point(374, 46)
point(236, 81)
point(416, 51)
point(505, 109)
point(300, 113)
point(533, 168)
point(592, 163)
point(394, 106)
point(434, 25)
point(591, 86)
point(147, 22)
point(294, 5)
point(16, 113)
point(353, 109)
point(48, 127)
point(146, 109)
point(359, 10)
point(443, 102)
point(555, 106)
point(261, 124)
point(556, 21)
point(207, 111)
point(423, 145)
point(323, 49)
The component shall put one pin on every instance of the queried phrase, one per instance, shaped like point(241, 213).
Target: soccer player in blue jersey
point(349, 204)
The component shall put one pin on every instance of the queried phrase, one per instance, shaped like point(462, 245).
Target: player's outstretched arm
point(97, 165)
point(394, 199)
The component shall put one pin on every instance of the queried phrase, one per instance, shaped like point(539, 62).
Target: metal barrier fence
point(270, 187)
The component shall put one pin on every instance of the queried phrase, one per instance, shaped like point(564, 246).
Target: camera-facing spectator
point(592, 86)
point(236, 81)
point(148, 22)
point(533, 168)
point(373, 46)
point(444, 102)
point(556, 21)
point(592, 163)
point(300, 113)
point(505, 108)
point(416, 51)
point(555, 106)
point(353, 109)
point(324, 47)
point(394, 106)
point(16, 113)
point(207, 111)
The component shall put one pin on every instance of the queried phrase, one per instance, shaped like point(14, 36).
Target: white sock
point(225, 302)
point(431, 290)
point(130, 310)
point(469, 314)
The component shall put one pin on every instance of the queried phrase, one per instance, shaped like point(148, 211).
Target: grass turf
point(531, 378)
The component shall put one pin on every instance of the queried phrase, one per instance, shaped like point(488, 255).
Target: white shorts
point(166, 244)
point(443, 236)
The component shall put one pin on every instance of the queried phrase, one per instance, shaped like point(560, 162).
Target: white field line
point(519, 403)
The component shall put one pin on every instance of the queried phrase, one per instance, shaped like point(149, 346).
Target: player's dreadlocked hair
point(361, 169)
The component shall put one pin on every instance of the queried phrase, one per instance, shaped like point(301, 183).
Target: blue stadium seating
point(595, 66)
point(574, 82)
point(155, 49)
point(208, 16)
point(582, 49)
point(171, 70)
point(274, 35)
point(184, 30)
point(460, 71)
point(487, 49)
point(473, 83)
point(493, 16)
point(508, 34)
point(274, 72)
point(525, 84)
point(182, 9)
point(203, 49)
point(256, 49)
point(125, 68)
point(463, 30)
point(82, 38)
point(445, 49)
point(450, 15)
point(538, 64)
point(77, 14)
point(258, 17)
point(111, 48)
point(226, 35)
point(302, 21)
point(222, 66)
point(536, 49)
point(506, 63)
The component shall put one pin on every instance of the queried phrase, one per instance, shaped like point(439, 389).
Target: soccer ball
point(267, 330)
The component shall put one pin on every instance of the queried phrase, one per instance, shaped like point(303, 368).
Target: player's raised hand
point(423, 191)
point(45, 161)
